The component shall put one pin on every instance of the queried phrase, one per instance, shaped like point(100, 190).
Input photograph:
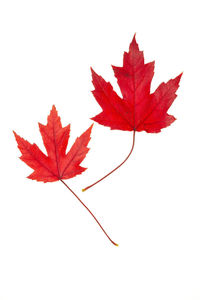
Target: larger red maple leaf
point(138, 109)
point(57, 164)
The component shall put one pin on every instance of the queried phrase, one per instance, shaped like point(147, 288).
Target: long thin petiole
point(89, 212)
point(89, 186)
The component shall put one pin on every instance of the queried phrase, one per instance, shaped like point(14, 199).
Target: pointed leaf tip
point(180, 76)
point(91, 126)
point(94, 74)
point(53, 110)
point(134, 44)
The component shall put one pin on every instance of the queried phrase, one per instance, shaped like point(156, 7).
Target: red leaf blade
point(55, 138)
point(134, 79)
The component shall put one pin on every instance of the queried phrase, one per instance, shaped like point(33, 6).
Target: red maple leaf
point(56, 165)
point(139, 109)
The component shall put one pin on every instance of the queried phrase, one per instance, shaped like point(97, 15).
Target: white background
point(50, 247)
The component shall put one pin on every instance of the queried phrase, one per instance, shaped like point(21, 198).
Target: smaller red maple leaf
point(138, 109)
point(57, 164)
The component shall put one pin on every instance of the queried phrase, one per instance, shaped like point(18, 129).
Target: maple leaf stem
point(133, 143)
point(89, 212)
